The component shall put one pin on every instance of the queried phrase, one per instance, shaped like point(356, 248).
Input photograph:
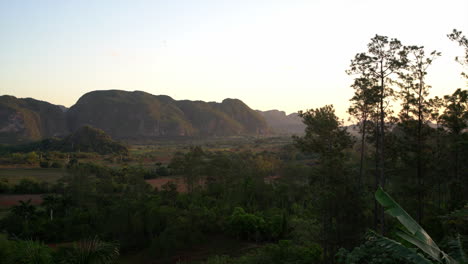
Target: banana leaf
point(399, 250)
point(414, 234)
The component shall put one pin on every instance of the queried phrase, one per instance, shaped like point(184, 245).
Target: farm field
point(9, 200)
point(159, 182)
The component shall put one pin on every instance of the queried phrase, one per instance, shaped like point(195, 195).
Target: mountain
point(281, 123)
point(28, 119)
point(134, 115)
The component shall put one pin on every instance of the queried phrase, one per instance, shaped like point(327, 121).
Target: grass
point(14, 176)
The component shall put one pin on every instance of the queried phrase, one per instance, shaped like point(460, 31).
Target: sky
point(289, 55)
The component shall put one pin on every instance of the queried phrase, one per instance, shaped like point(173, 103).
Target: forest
point(394, 191)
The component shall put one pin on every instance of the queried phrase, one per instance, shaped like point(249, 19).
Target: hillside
point(281, 123)
point(28, 119)
point(133, 115)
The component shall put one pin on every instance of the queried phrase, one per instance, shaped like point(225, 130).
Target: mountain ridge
point(131, 115)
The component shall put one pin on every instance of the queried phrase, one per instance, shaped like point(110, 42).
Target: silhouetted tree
point(363, 105)
point(416, 109)
point(463, 42)
point(382, 61)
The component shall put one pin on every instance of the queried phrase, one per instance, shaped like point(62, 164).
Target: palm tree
point(24, 210)
point(93, 251)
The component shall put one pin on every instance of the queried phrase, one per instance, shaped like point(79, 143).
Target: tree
point(455, 120)
point(325, 136)
point(191, 165)
point(463, 42)
point(436, 110)
point(382, 61)
point(416, 107)
point(26, 212)
point(50, 203)
point(362, 108)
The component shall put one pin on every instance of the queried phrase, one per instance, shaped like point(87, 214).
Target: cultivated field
point(159, 182)
point(9, 200)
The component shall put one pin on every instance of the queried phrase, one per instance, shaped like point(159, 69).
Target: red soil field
point(159, 182)
point(10, 200)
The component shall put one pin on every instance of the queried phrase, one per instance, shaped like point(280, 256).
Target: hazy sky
point(286, 55)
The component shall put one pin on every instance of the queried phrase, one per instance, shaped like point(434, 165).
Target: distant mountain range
point(138, 115)
point(281, 123)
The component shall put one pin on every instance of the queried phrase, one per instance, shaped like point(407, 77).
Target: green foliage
point(285, 252)
point(30, 186)
point(24, 252)
point(378, 249)
point(414, 234)
point(4, 186)
point(91, 251)
point(456, 248)
point(455, 116)
point(324, 134)
point(85, 139)
point(245, 225)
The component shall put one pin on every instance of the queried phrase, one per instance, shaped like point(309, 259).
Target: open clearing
point(177, 180)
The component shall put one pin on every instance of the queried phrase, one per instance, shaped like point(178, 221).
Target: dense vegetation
point(85, 139)
point(317, 199)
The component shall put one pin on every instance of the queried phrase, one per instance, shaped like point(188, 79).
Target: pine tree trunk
point(381, 145)
point(376, 179)
point(419, 153)
point(361, 165)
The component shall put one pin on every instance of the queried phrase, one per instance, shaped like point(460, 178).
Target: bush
point(44, 164)
point(285, 252)
point(56, 164)
point(4, 188)
point(29, 186)
point(24, 252)
point(245, 225)
point(162, 171)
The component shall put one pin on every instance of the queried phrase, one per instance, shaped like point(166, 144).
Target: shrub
point(245, 225)
point(4, 188)
point(27, 186)
point(24, 252)
point(56, 164)
point(44, 164)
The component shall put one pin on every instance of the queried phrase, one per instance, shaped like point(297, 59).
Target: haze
point(286, 55)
